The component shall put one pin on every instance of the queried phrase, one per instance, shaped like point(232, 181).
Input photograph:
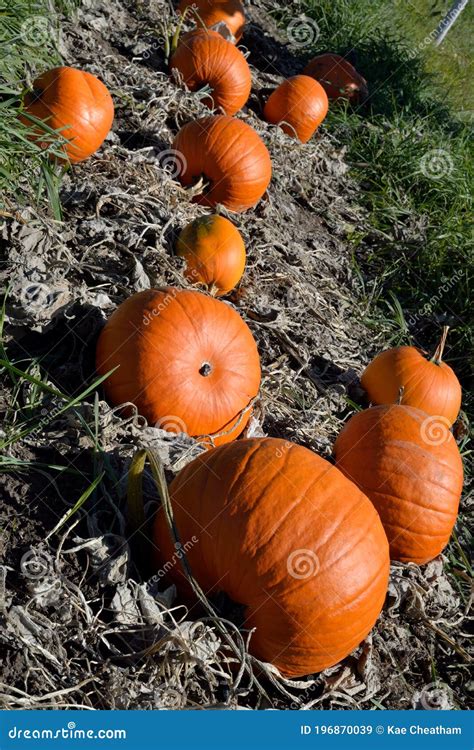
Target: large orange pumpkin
point(409, 465)
point(283, 532)
point(299, 104)
point(338, 77)
point(229, 156)
point(188, 362)
point(428, 384)
point(212, 12)
point(78, 103)
point(214, 252)
point(205, 58)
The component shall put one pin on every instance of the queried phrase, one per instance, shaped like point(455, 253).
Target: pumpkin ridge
point(362, 592)
point(411, 502)
point(418, 534)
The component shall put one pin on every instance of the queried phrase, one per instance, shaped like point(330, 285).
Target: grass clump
point(29, 39)
point(411, 156)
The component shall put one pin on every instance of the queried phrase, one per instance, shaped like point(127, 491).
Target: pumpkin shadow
point(269, 55)
point(134, 140)
point(69, 339)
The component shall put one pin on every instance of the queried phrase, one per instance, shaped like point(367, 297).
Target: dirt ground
point(83, 622)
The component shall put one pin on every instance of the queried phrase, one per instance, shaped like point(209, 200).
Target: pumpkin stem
point(205, 369)
point(400, 395)
point(437, 357)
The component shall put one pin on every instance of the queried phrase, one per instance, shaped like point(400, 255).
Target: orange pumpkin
point(188, 362)
point(299, 105)
point(78, 103)
point(284, 533)
point(214, 252)
point(229, 156)
point(212, 12)
point(428, 384)
point(338, 77)
point(205, 58)
point(409, 465)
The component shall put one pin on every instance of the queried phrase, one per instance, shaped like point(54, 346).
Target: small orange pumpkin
point(428, 384)
point(298, 105)
point(188, 362)
point(78, 103)
point(214, 252)
point(229, 156)
point(212, 12)
point(338, 77)
point(410, 467)
point(284, 533)
point(204, 58)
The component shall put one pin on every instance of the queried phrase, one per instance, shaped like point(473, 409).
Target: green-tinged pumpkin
point(214, 252)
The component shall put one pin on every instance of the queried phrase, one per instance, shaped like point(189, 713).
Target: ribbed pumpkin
point(231, 158)
point(338, 77)
point(205, 58)
point(428, 384)
point(78, 103)
point(409, 465)
point(283, 532)
point(212, 12)
point(299, 105)
point(188, 362)
point(214, 252)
